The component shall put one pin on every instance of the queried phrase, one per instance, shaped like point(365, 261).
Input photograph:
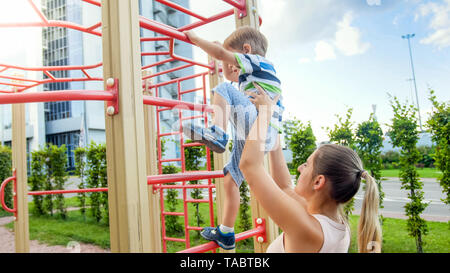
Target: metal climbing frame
point(19, 84)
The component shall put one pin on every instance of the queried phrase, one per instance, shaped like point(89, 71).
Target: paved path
point(396, 198)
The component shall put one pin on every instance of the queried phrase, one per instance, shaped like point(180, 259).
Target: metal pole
point(409, 36)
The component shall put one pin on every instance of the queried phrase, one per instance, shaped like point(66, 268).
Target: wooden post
point(19, 163)
point(125, 137)
point(152, 169)
point(252, 20)
point(219, 159)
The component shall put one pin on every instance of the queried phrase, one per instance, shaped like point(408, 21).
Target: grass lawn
point(424, 173)
point(54, 231)
point(397, 240)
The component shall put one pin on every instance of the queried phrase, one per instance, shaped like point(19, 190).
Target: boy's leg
point(223, 235)
point(232, 201)
point(221, 111)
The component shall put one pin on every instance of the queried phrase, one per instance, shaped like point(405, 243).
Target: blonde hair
point(344, 169)
point(247, 35)
point(369, 229)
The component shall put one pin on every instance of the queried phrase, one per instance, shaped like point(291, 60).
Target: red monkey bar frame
point(110, 96)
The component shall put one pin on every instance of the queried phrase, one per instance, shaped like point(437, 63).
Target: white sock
point(225, 229)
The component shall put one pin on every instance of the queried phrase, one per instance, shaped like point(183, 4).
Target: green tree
point(93, 180)
point(302, 143)
point(404, 134)
point(48, 185)
point(81, 172)
point(342, 134)
point(6, 172)
point(173, 226)
point(103, 180)
point(58, 162)
point(439, 126)
point(369, 141)
point(37, 180)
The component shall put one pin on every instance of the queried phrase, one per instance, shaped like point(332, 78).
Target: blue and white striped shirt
point(255, 68)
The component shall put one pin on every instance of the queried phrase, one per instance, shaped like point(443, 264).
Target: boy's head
point(247, 40)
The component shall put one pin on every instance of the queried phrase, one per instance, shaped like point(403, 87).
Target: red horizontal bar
point(197, 201)
point(193, 144)
point(212, 245)
point(93, 2)
point(169, 134)
point(182, 9)
point(67, 191)
point(196, 186)
point(192, 117)
point(209, 20)
point(162, 29)
point(155, 53)
point(170, 160)
point(173, 213)
point(51, 96)
point(194, 228)
point(158, 63)
point(191, 90)
point(52, 23)
point(177, 104)
point(187, 176)
point(175, 239)
point(53, 68)
point(167, 71)
point(165, 109)
point(240, 5)
point(155, 39)
point(179, 80)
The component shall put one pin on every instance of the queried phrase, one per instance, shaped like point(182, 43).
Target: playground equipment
point(132, 105)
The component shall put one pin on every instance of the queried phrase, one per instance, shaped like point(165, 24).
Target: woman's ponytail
point(369, 229)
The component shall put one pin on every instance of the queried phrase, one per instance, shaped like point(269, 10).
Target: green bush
point(439, 126)
point(405, 135)
point(48, 172)
point(173, 226)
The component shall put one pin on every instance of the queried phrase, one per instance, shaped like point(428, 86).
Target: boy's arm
point(216, 50)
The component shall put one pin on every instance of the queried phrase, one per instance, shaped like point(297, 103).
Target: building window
point(71, 140)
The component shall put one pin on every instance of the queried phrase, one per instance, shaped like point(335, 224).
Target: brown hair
point(344, 169)
point(247, 35)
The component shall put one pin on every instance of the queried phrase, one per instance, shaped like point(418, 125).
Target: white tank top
point(336, 237)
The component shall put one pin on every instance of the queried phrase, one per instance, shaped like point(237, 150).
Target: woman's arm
point(287, 212)
point(281, 175)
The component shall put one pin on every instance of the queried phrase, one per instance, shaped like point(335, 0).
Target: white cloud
point(348, 38)
point(439, 23)
point(324, 51)
point(373, 2)
point(304, 60)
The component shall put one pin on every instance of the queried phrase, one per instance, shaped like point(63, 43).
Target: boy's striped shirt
point(255, 68)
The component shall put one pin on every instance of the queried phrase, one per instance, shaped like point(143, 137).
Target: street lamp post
point(408, 37)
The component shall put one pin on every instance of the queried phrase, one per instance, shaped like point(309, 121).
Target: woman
point(310, 214)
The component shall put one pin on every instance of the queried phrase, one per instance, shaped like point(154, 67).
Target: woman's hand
point(261, 99)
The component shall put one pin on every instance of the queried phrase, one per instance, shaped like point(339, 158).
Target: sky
point(331, 55)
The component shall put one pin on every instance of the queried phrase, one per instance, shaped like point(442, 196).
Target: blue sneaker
point(213, 137)
point(224, 240)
